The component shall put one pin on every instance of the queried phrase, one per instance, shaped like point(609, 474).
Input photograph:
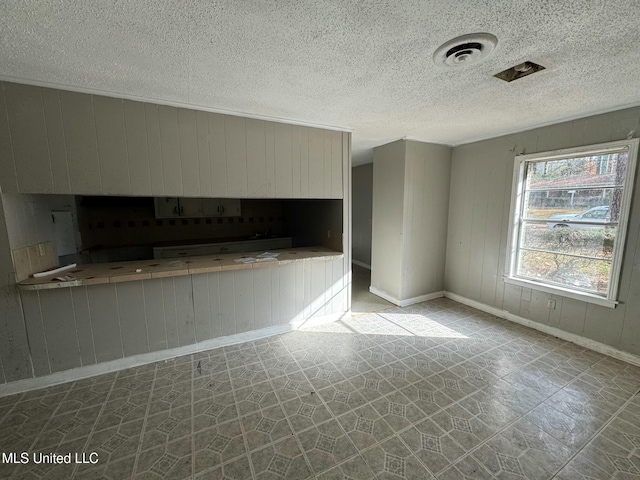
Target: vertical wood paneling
point(184, 310)
point(135, 127)
point(478, 231)
point(202, 307)
point(347, 214)
point(156, 171)
point(35, 333)
point(270, 159)
point(204, 160)
point(214, 302)
point(107, 336)
point(114, 164)
point(338, 286)
point(493, 231)
point(227, 305)
point(287, 284)
point(555, 137)
point(55, 139)
point(170, 147)
point(284, 165)
point(572, 316)
point(336, 165)
point(243, 294)
point(328, 287)
point(626, 122)
point(236, 145)
point(262, 296)
point(295, 160)
point(132, 311)
point(8, 178)
point(256, 159)
point(81, 142)
point(60, 330)
point(29, 138)
point(189, 153)
point(155, 314)
point(506, 147)
point(599, 128)
point(304, 162)
point(83, 325)
point(276, 316)
point(218, 155)
point(316, 163)
point(318, 293)
point(170, 312)
point(327, 164)
point(299, 296)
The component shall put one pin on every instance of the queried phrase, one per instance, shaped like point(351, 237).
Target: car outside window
point(569, 217)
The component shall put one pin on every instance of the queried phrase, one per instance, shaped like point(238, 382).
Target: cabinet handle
point(181, 210)
point(218, 207)
point(222, 207)
point(175, 210)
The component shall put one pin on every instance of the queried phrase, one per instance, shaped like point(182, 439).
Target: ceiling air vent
point(465, 50)
point(519, 71)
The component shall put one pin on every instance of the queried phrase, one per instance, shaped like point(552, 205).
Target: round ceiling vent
point(465, 50)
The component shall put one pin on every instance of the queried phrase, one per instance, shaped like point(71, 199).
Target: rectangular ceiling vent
point(519, 71)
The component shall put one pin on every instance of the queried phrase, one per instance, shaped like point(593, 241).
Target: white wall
point(481, 182)
point(426, 202)
point(362, 194)
point(410, 203)
point(388, 212)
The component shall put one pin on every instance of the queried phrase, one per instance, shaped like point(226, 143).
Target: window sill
point(563, 292)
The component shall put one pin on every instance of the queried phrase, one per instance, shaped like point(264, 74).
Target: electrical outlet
point(42, 250)
point(551, 304)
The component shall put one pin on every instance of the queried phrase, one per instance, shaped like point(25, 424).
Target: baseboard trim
point(556, 332)
point(406, 302)
point(87, 371)
point(361, 264)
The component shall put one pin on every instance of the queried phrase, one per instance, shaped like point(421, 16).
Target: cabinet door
point(167, 207)
point(210, 207)
point(190, 207)
point(230, 207)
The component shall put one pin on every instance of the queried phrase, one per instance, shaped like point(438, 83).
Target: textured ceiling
point(365, 65)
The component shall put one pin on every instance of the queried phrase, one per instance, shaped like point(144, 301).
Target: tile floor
point(437, 390)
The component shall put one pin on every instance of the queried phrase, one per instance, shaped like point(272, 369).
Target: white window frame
point(517, 199)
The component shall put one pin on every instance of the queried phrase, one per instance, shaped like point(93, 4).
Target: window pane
point(600, 170)
point(595, 241)
point(574, 205)
point(572, 272)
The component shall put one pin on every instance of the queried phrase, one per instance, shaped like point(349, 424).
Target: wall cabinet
point(173, 207)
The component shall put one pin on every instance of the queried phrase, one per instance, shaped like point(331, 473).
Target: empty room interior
point(320, 240)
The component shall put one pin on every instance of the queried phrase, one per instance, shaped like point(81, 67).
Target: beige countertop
point(98, 273)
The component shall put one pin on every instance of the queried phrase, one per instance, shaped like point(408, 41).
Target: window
point(569, 215)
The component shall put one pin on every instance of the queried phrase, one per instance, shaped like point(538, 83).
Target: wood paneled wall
point(74, 327)
point(55, 141)
point(481, 182)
